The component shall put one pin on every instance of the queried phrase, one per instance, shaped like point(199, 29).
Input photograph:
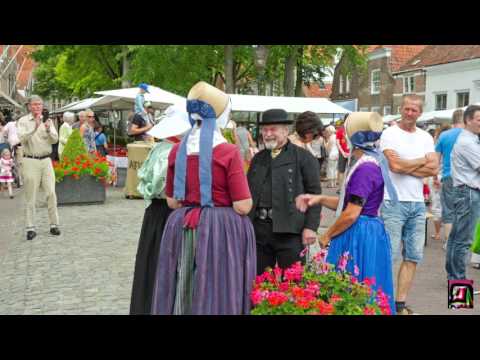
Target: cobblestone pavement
point(89, 268)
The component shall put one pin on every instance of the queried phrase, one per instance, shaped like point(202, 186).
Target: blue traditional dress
point(366, 241)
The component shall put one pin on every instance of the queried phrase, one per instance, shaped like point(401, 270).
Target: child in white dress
point(6, 174)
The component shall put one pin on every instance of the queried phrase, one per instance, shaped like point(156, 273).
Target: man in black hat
point(277, 175)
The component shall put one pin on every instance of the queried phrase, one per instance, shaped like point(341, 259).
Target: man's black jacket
point(294, 171)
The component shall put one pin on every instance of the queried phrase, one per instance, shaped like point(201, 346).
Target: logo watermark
point(460, 294)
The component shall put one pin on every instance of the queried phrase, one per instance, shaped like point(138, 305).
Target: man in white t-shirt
point(411, 157)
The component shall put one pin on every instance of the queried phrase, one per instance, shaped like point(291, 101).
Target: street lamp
point(261, 55)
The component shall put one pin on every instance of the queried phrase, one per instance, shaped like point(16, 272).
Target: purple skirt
point(225, 263)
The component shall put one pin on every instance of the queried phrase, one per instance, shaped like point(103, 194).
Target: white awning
point(78, 105)
point(9, 100)
point(124, 99)
point(255, 103)
point(439, 114)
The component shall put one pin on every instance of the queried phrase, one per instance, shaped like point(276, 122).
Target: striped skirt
point(209, 270)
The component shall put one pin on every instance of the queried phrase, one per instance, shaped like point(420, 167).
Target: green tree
point(177, 67)
point(80, 70)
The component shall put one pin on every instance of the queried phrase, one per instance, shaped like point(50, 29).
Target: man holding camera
point(37, 134)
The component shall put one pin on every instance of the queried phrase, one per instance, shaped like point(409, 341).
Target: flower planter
point(84, 191)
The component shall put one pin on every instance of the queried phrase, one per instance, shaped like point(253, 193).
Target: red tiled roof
point(400, 53)
point(442, 54)
point(314, 90)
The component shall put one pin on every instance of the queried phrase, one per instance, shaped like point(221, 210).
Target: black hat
point(275, 116)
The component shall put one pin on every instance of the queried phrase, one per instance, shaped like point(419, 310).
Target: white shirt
point(10, 131)
point(408, 146)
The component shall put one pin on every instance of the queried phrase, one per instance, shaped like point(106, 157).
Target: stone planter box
point(84, 191)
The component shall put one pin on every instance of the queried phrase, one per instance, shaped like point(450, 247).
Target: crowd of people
point(220, 214)
point(381, 209)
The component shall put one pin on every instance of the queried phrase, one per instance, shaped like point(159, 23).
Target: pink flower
point(284, 286)
point(369, 281)
point(294, 273)
point(356, 270)
point(278, 273)
point(342, 263)
point(257, 297)
point(320, 256)
point(259, 279)
point(313, 288)
point(304, 252)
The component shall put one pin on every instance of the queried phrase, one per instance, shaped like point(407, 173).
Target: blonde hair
point(457, 117)
point(413, 98)
point(331, 129)
point(5, 151)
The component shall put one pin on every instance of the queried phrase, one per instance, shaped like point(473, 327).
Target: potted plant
point(316, 289)
point(81, 177)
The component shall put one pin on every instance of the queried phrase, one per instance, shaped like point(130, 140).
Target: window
point(347, 85)
point(387, 110)
point(363, 109)
point(398, 109)
point(441, 102)
point(340, 91)
point(463, 98)
point(375, 82)
point(376, 109)
point(408, 85)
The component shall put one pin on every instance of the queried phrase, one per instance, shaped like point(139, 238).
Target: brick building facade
point(374, 87)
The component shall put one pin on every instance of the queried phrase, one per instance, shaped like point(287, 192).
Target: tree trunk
point(229, 78)
point(125, 67)
point(289, 79)
point(299, 81)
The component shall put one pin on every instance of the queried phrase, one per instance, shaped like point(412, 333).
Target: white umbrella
point(124, 99)
point(255, 103)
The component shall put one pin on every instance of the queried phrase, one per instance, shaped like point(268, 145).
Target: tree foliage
point(80, 70)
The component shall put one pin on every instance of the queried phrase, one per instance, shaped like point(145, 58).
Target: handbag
point(476, 240)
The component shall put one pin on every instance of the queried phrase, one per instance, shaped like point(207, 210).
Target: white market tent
point(124, 99)
point(440, 115)
point(256, 103)
point(79, 105)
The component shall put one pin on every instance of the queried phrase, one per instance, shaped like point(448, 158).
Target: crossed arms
point(422, 167)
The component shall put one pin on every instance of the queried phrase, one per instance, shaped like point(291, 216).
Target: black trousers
point(273, 248)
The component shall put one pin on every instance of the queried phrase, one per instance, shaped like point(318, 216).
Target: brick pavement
point(89, 268)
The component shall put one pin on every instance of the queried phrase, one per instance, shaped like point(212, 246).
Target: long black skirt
point(154, 220)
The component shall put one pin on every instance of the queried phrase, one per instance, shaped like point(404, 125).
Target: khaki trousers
point(36, 174)
point(19, 158)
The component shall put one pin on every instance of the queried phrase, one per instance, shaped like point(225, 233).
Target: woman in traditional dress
point(207, 261)
point(152, 179)
point(358, 229)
